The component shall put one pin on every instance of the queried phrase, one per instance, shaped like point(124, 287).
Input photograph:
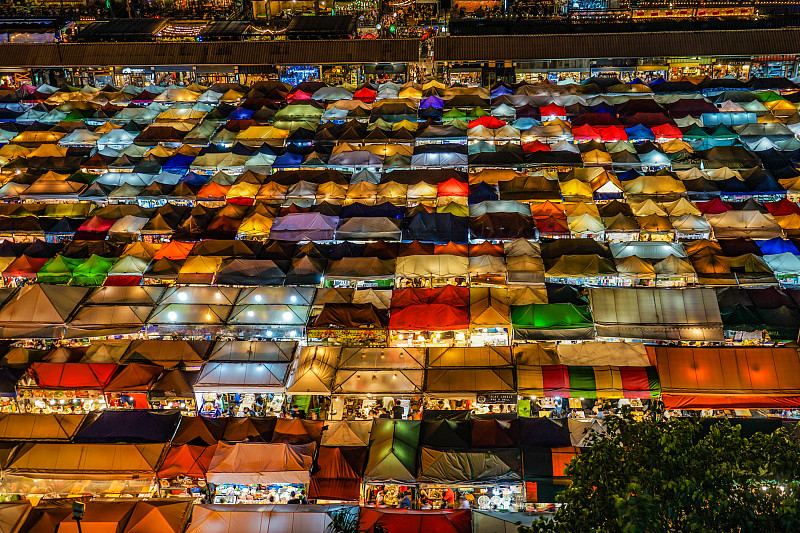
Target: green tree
point(672, 476)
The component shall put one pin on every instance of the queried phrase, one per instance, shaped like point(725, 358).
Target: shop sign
point(498, 398)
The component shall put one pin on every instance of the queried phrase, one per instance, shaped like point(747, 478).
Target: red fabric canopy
point(586, 133)
point(97, 224)
point(405, 521)
point(667, 131)
point(447, 295)
point(365, 94)
point(298, 95)
point(713, 207)
point(88, 376)
point(437, 317)
point(553, 110)
point(25, 267)
point(613, 133)
point(453, 187)
point(337, 475)
point(711, 377)
point(552, 224)
point(187, 460)
point(535, 146)
point(488, 121)
point(782, 207)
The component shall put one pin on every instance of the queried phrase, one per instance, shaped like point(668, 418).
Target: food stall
point(65, 387)
point(371, 378)
point(259, 472)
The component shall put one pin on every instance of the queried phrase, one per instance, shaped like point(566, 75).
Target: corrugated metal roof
point(216, 53)
point(614, 45)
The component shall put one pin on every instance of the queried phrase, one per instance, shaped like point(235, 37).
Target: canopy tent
point(240, 518)
point(551, 321)
point(347, 433)
point(337, 473)
point(393, 451)
point(372, 520)
point(13, 516)
point(254, 463)
point(39, 427)
point(740, 377)
point(473, 467)
point(186, 460)
point(657, 314)
point(559, 381)
point(42, 468)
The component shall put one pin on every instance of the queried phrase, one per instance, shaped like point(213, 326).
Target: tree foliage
point(670, 476)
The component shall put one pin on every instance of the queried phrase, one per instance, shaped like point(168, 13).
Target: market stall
point(255, 471)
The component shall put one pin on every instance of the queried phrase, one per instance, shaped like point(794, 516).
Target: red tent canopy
point(487, 121)
point(453, 187)
point(552, 224)
point(667, 131)
point(25, 267)
point(613, 133)
point(187, 460)
point(586, 133)
point(337, 473)
point(88, 376)
point(97, 224)
point(535, 146)
point(447, 295)
point(437, 317)
point(365, 94)
point(713, 207)
point(782, 207)
point(298, 95)
point(553, 110)
point(404, 521)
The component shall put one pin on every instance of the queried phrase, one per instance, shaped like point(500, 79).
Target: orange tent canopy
point(743, 377)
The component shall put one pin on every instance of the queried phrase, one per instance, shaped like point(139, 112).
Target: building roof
point(613, 45)
point(216, 53)
point(122, 29)
point(307, 27)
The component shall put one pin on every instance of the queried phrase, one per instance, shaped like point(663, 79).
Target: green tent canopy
point(393, 451)
point(93, 271)
point(552, 321)
point(58, 270)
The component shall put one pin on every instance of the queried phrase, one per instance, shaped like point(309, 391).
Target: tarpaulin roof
point(86, 461)
point(373, 520)
point(337, 473)
point(588, 382)
point(227, 518)
point(91, 376)
point(393, 451)
point(497, 466)
point(39, 427)
point(648, 313)
point(552, 321)
point(159, 516)
point(745, 377)
point(262, 463)
point(347, 433)
point(130, 427)
point(186, 460)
